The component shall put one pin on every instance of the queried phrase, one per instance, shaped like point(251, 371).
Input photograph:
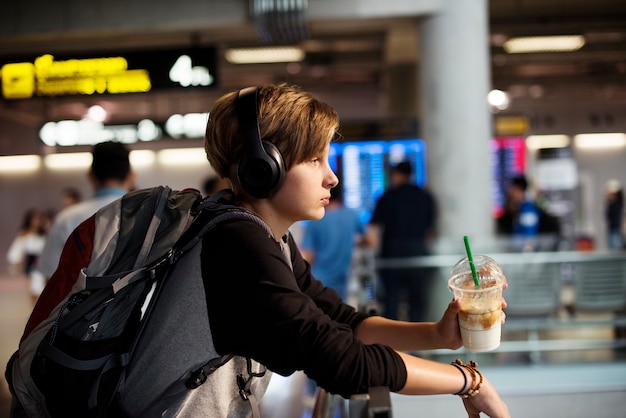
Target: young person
point(248, 292)
point(285, 318)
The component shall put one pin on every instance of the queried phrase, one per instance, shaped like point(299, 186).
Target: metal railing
point(595, 282)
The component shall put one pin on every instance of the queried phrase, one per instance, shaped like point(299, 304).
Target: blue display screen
point(363, 167)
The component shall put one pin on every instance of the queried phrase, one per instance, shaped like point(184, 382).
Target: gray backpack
point(75, 362)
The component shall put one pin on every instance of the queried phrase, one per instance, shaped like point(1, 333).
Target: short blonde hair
point(297, 123)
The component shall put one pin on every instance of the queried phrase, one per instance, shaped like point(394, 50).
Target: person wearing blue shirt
point(328, 244)
point(111, 177)
point(523, 220)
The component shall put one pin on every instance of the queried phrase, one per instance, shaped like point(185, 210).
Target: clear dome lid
point(488, 271)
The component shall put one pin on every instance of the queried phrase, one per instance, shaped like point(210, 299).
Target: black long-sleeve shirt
point(287, 320)
point(613, 212)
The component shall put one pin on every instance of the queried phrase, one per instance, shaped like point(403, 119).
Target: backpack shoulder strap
point(157, 216)
point(222, 209)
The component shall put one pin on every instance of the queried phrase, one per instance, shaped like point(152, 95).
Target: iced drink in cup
point(481, 306)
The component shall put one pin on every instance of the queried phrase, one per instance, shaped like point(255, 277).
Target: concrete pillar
point(456, 122)
point(402, 70)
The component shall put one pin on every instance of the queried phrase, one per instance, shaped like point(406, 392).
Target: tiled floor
point(570, 383)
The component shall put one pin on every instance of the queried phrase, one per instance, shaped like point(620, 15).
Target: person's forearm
point(401, 336)
point(425, 377)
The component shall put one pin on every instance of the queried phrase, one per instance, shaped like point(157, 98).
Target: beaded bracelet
point(477, 378)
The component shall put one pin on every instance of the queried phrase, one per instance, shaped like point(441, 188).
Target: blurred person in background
point(524, 220)
point(70, 196)
point(214, 184)
point(27, 247)
point(614, 214)
point(402, 225)
point(328, 244)
point(111, 177)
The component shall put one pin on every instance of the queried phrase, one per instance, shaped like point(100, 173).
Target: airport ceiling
point(351, 53)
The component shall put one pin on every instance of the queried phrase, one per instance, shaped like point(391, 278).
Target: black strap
point(114, 361)
point(200, 375)
point(125, 278)
point(189, 382)
point(60, 357)
point(225, 211)
point(244, 387)
point(217, 200)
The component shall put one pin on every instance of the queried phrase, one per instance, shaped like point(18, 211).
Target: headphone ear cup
point(262, 175)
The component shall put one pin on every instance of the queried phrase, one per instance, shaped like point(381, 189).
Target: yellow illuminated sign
point(511, 125)
point(47, 77)
point(18, 80)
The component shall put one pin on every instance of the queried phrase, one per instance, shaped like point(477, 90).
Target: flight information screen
point(508, 159)
point(363, 167)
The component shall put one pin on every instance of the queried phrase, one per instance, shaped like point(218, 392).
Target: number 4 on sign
point(186, 75)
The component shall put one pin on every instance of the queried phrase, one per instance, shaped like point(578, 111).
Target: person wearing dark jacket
point(272, 142)
point(287, 319)
point(614, 214)
point(402, 225)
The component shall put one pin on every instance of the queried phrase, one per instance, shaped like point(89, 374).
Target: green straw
point(471, 260)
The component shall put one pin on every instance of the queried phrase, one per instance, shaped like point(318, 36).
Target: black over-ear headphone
point(261, 168)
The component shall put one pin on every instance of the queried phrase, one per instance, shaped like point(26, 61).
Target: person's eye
point(315, 160)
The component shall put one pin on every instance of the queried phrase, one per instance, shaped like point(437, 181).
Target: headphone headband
point(247, 113)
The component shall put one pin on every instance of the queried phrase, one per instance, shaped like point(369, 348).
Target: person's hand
point(448, 326)
point(488, 401)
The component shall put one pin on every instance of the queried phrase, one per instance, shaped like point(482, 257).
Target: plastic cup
point(481, 307)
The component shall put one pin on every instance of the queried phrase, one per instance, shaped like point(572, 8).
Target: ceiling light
point(600, 141)
point(498, 99)
point(96, 113)
point(534, 142)
point(68, 161)
point(182, 157)
point(19, 163)
point(141, 158)
point(264, 55)
point(526, 44)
